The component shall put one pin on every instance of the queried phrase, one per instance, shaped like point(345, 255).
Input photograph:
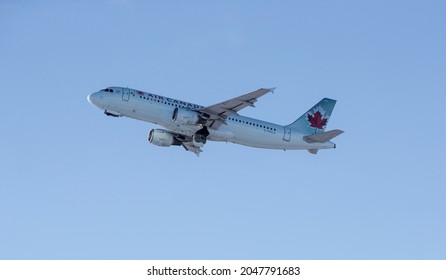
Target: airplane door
point(125, 94)
point(287, 134)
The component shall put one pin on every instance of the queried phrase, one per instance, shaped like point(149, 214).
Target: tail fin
point(315, 120)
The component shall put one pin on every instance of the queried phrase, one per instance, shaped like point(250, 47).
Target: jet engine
point(183, 116)
point(162, 138)
point(199, 138)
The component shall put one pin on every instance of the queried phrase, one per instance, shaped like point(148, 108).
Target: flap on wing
point(323, 137)
point(190, 147)
point(218, 112)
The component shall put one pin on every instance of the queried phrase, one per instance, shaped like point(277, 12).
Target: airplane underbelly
point(261, 138)
point(221, 134)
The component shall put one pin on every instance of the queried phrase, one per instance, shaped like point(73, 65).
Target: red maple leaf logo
point(317, 121)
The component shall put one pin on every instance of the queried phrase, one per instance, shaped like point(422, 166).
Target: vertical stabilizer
point(316, 119)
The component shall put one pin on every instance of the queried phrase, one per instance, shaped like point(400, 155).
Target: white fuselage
point(237, 129)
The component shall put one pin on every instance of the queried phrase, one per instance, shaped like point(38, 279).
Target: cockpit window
point(107, 90)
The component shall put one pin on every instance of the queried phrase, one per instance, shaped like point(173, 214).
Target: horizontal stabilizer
point(323, 137)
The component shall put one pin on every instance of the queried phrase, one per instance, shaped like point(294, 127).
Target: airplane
point(190, 125)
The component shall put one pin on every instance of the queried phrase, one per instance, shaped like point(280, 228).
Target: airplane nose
point(91, 98)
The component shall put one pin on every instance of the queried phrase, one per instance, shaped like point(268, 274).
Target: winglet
point(272, 89)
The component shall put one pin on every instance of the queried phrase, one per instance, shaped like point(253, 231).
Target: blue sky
point(76, 184)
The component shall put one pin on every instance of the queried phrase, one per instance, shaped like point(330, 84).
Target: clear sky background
point(75, 184)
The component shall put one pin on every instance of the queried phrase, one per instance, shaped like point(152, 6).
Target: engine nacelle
point(198, 140)
point(183, 116)
point(162, 138)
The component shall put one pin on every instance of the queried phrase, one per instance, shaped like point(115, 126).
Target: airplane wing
point(216, 115)
point(191, 148)
point(220, 111)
